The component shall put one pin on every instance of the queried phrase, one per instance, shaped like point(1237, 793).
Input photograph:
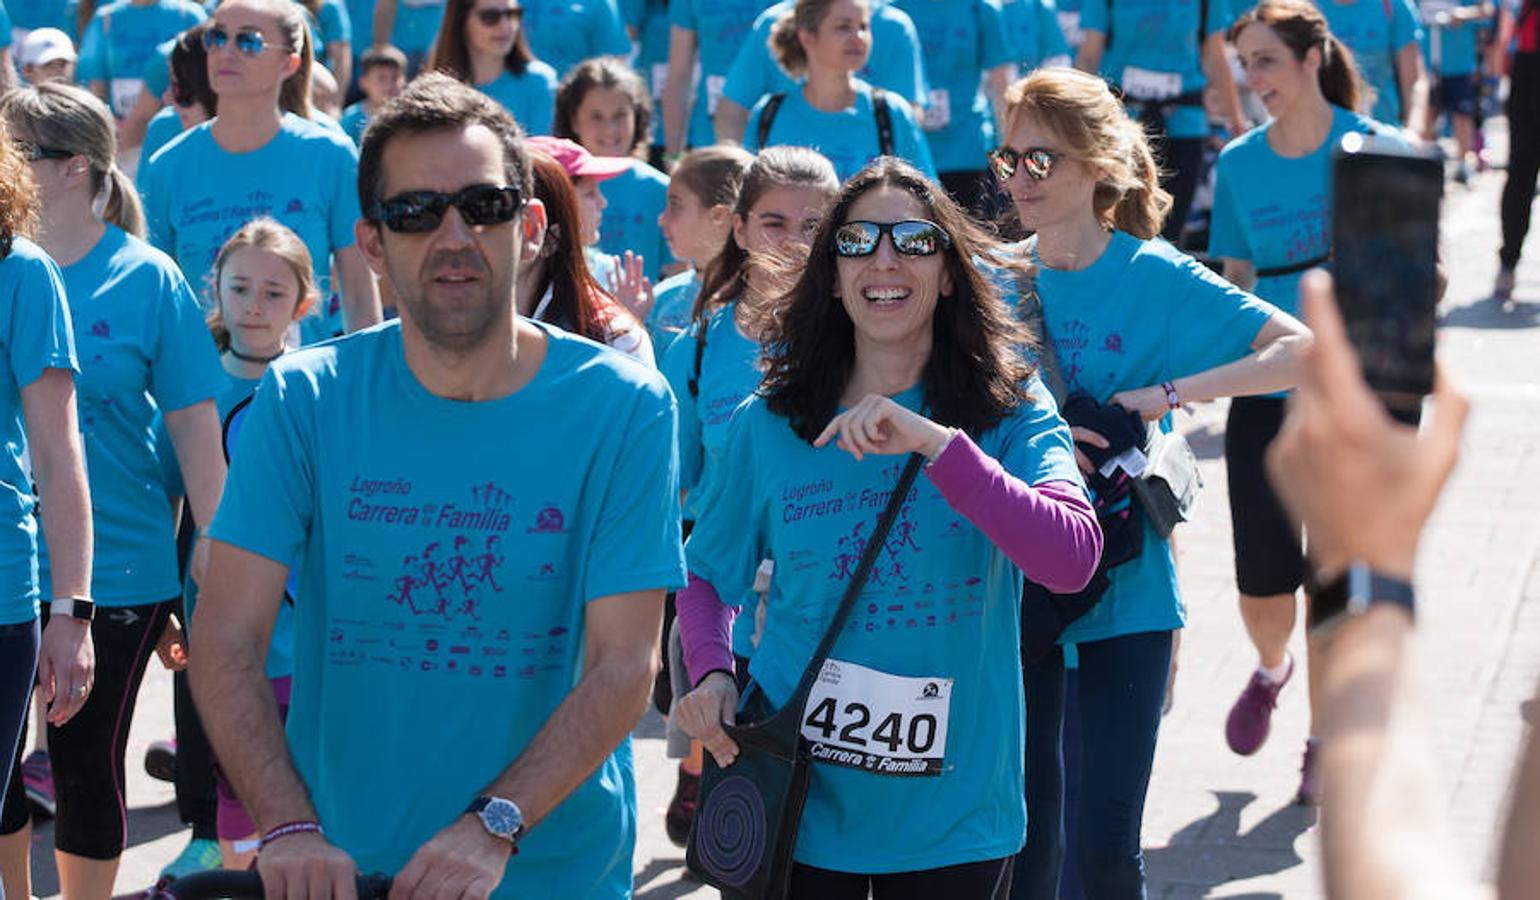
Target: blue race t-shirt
point(1033, 32)
point(196, 194)
point(36, 336)
point(157, 70)
point(1156, 53)
point(673, 301)
point(1141, 314)
point(530, 98)
point(331, 26)
point(847, 137)
point(430, 594)
point(354, 120)
point(417, 24)
point(144, 349)
point(1275, 211)
point(720, 28)
point(361, 21)
point(634, 199)
point(121, 39)
point(894, 64)
point(1375, 30)
point(962, 40)
point(652, 56)
point(30, 15)
point(942, 606)
point(563, 33)
point(163, 126)
point(1451, 49)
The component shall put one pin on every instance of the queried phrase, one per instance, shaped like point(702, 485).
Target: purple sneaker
point(1251, 717)
point(1310, 775)
point(37, 778)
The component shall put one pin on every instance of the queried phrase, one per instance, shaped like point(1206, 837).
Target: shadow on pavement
point(649, 884)
point(145, 824)
point(1207, 441)
point(1210, 852)
point(1489, 314)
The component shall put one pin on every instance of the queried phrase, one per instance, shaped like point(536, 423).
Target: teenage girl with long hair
point(696, 222)
point(483, 44)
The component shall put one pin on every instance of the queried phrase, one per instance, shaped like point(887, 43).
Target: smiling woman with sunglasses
point(1136, 323)
point(263, 155)
point(894, 343)
point(482, 43)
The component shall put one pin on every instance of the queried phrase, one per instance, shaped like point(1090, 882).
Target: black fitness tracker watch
point(74, 607)
point(1353, 592)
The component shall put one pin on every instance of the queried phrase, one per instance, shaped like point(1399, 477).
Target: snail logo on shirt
point(549, 520)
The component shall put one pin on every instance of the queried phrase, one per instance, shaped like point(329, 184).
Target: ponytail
point(786, 47)
point(294, 96)
point(123, 208)
point(1141, 208)
point(1302, 28)
point(1341, 83)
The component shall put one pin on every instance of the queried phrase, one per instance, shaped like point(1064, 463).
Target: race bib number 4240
point(884, 724)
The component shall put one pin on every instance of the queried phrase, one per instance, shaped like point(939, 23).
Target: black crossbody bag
point(746, 822)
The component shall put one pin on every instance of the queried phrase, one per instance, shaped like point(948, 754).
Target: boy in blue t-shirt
point(381, 76)
point(1451, 40)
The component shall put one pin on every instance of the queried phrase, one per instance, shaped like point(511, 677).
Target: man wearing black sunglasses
point(459, 593)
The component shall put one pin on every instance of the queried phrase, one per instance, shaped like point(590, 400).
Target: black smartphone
point(1385, 206)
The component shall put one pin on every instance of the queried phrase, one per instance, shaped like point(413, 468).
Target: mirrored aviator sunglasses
point(249, 42)
point(1037, 162)
point(911, 237)
point(415, 212)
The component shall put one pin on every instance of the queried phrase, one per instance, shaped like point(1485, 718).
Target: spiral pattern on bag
point(730, 830)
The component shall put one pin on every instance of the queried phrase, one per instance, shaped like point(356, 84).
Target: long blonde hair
point(72, 119)
point(1083, 112)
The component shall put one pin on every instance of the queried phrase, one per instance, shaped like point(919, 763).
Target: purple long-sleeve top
point(1048, 530)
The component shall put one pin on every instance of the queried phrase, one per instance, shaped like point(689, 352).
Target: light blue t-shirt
point(5, 28)
point(361, 21)
point(634, 200)
point(1451, 50)
point(652, 55)
point(720, 28)
point(563, 33)
point(164, 126)
point(417, 24)
point(197, 194)
point(354, 120)
point(331, 26)
point(1274, 211)
point(1155, 52)
point(1142, 314)
point(34, 14)
point(37, 336)
point(1034, 34)
point(144, 348)
point(673, 301)
point(962, 40)
point(430, 594)
point(120, 41)
point(894, 64)
point(1375, 30)
point(848, 137)
point(530, 98)
point(729, 373)
point(157, 69)
point(942, 603)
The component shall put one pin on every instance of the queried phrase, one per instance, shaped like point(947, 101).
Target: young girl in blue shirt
point(696, 223)
point(145, 351)
point(1136, 323)
point(483, 43)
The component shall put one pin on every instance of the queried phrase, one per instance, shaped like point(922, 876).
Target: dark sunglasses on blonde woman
point(1037, 161)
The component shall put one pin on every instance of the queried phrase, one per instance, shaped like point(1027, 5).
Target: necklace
point(264, 360)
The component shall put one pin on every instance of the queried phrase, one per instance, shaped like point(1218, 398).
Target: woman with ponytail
point(262, 154)
point(1271, 223)
point(144, 349)
point(1132, 323)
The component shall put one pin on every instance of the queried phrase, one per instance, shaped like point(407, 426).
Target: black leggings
point(1523, 155)
point(18, 668)
point(87, 752)
point(988, 880)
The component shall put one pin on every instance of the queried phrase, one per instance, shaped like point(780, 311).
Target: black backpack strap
point(700, 355)
point(766, 119)
point(884, 116)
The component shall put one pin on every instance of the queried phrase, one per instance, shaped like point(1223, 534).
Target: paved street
point(1218, 825)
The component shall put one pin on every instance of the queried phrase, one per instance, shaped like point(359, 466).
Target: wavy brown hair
point(451, 52)
point(976, 373)
point(18, 194)
point(578, 302)
point(604, 72)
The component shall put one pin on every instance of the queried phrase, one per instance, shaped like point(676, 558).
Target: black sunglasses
point(1037, 162)
point(493, 17)
point(33, 152)
point(415, 212)
point(911, 237)
point(248, 41)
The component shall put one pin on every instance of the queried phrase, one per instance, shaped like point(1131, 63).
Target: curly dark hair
point(976, 373)
point(603, 72)
point(18, 193)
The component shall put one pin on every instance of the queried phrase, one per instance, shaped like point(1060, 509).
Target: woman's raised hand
point(879, 425)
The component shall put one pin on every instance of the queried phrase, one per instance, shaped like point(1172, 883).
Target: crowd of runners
point(473, 373)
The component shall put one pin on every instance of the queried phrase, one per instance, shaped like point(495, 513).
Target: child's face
point(258, 298)
point(591, 205)
point(60, 70)
point(380, 83)
point(605, 122)
point(694, 231)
